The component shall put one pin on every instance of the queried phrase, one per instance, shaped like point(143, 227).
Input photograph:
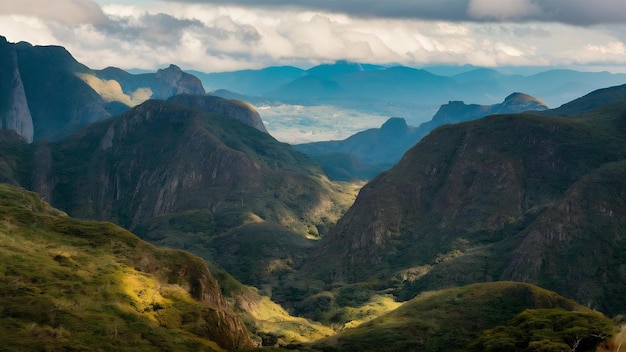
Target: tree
point(546, 330)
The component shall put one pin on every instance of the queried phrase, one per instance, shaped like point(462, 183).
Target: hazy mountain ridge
point(462, 204)
point(345, 83)
point(376, 150)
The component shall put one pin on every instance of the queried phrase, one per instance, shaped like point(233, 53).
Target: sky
point(227, 35)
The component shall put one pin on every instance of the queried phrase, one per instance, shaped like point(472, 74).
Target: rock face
point(47, 94)
point(505, 197)
point(13, 103)
point(238, 110)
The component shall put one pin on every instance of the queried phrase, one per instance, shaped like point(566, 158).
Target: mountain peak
point(395, 125)
point(518, 102)
point(172, 67)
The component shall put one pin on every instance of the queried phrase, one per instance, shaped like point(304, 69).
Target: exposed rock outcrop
point(13, 103)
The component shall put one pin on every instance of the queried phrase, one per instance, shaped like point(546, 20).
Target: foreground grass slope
point(67, 284)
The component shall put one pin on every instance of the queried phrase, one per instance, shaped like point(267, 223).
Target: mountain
point(368, 153)
point(340, 68)
point(69, 284)
point(183, 173)
point(249, 82)
point(43, 94)
point(236, 109)
point(13, 102)
point(509, 197)
point(464, 318)
point(163, 84)
point(48, 95)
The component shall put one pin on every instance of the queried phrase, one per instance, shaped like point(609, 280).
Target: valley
point(139, 213)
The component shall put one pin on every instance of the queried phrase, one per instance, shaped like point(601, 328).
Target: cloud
point(574, 12)
point(213, 38)
point(62, 11)
point(503, 9)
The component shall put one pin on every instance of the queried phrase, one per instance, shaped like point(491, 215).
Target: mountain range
point(500, 233)
point(520, 197)
point(47, 94)
point(397, 90)
point(368, 153)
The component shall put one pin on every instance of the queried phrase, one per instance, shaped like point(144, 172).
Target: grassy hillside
point(67, 284)
point(452, 319)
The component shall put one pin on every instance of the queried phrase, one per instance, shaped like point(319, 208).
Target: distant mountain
point(340, 68)
point(508, 197)
point(368, 153)
point(76, 284)
point(385, 89)
point(47, 94)
point(163, 84)
point(249, 82)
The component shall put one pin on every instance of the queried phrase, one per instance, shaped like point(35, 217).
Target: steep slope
point(13, 103)
point(590, 101)
point(58, 100)
point(467, 202)
point(47, 94)
point(72, 285)
point(449, 320)
point(181, 176)
point(376, 150)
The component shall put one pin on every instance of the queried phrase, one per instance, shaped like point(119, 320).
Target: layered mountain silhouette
point(509, 197)
point(47, 94)
point(383, 89)
point(368, 153)
point(444, 251)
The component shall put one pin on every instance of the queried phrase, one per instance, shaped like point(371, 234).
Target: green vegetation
point(67, 284)
point(452, 319)
point(546, 330)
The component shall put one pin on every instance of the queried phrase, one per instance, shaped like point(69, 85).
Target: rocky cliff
point(47, 94)
point(13, 103)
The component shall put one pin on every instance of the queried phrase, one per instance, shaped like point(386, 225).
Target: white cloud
point(217, 38)
point(62, 11)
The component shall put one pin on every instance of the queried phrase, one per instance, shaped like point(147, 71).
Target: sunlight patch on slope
point(111, 91)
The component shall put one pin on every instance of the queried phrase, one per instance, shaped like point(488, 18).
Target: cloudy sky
point(225, 35)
